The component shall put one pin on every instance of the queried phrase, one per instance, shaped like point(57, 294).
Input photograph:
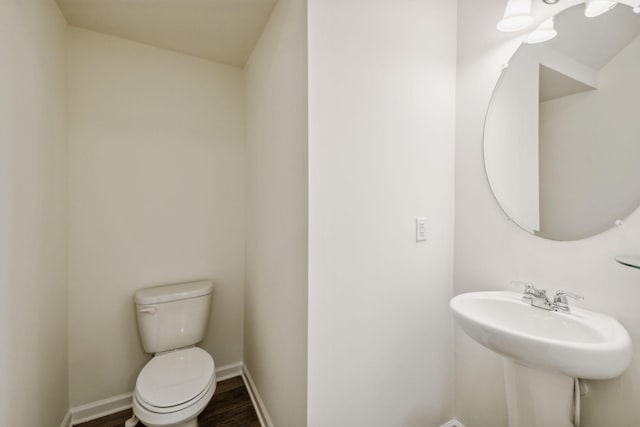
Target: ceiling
point(595, 41)
point(554, 84)
point(224, 31)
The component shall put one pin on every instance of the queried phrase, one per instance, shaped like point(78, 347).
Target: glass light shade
point(517, 16)
point(545, 32)
point(595, 8)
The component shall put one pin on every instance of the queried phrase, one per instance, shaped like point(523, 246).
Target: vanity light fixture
point(517, 16)
point(595, 8)
point(545, 32)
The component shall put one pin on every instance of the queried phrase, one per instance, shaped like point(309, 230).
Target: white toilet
point(176, 385)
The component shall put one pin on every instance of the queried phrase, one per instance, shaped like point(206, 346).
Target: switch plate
point(421, 229)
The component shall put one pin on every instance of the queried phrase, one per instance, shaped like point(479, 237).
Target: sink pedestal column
point(537, 398)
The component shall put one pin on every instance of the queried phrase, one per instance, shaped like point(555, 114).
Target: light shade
point(517, 16)
point(545, 31)
point(595, 8)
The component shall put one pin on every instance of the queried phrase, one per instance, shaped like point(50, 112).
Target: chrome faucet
point(539, 298)
point(536, 297)
point(560, 302)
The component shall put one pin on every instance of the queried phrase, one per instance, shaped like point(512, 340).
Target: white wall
point(490, 251)
point(33, 282)
point(156, 181)
point(275, 346)
point(381, 145)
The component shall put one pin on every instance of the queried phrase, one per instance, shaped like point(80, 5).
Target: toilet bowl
point(176, 385)
point(174, 388)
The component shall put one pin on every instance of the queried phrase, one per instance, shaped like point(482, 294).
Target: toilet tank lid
point(174, 292)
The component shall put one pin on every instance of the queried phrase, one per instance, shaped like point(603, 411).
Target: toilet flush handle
point(150, 310)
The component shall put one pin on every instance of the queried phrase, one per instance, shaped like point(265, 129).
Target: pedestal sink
point(544, 351)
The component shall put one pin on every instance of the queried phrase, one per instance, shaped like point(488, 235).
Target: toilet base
point(191, 423)
point(131, 422)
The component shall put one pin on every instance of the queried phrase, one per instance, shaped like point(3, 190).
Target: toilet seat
point(171, 409)
point(176, 380)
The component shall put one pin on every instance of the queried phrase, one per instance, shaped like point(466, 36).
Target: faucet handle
point(527, 286)
point(529, 290)
point(561, 297)
point(560, 301)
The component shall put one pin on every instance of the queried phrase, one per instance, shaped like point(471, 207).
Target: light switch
point(421, 229)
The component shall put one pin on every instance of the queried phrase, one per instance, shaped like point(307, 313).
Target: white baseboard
point(228, 371)
point(452, 423)
point(261, 410)
point(66, 422)
point(101, 408)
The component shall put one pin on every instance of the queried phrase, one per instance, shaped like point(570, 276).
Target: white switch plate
point(421, 229)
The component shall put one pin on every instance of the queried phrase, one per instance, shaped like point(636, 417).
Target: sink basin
point(581, 344)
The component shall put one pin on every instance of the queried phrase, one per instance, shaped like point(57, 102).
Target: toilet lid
point(174, 378)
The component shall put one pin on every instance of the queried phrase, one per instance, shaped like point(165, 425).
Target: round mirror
point(562, 133)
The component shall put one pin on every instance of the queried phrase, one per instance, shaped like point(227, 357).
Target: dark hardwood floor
point(230, 407)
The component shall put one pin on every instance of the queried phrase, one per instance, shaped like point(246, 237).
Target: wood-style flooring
point(230, 407)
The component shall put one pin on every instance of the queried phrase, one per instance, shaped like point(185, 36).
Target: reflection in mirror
point(562, 134)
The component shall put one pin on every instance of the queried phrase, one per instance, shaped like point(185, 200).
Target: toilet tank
point(173, 316)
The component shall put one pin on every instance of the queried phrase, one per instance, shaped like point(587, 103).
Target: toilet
point(176, 385)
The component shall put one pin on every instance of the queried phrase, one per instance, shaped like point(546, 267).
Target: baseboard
point(228, 371)
point(101, 408)
point(452, 423)
point(66, 422)
point(261, 410)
